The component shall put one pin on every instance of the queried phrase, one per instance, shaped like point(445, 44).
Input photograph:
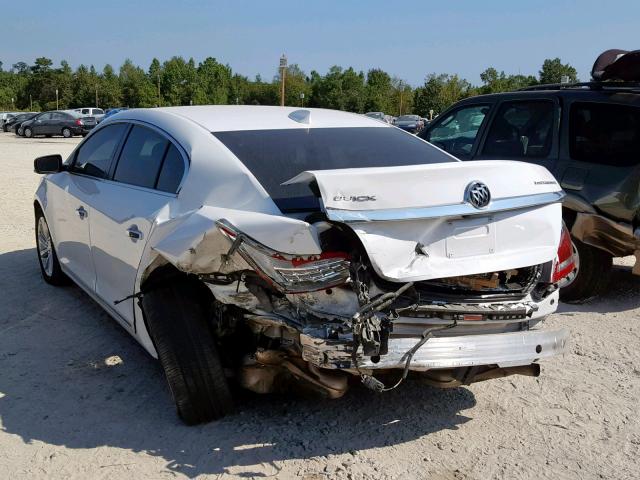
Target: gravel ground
point(80, 399)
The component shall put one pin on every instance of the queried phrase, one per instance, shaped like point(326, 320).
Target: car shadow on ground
point(72, 377)
point(622, 294)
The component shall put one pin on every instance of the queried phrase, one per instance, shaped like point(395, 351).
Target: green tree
point(109, 90)
point(215, 80)
point(401, 98)
point(379, 91)
point(439, 92)
point(137, 90)
point(494, 82)
point(553, 70)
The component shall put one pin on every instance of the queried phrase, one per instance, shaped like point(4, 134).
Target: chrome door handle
point(82, 213)
point(134, 233)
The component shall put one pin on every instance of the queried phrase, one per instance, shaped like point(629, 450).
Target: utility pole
point(97, 95)
point(57, 105)
point(158, 75)
point(283, 70)
point(30, 103)
point(400, 98)
point(302, 99)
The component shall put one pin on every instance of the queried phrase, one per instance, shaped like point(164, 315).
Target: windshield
point(275, 156)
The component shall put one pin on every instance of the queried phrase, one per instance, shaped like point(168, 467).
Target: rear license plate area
point(471, 237)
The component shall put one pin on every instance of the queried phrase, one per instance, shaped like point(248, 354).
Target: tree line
point(184, 82)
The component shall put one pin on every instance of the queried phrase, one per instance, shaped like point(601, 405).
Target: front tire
point(28, 132)
point(66, 133)
point(178, 324)
point(47, 257)
point(593, 275)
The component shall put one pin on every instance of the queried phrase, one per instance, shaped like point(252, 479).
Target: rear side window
point(141, 157)
point(98, 111)
point(604, 133)
point(521, 129)
point(96, 153)
point(171, 172)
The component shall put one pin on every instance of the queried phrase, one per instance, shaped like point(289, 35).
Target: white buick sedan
point(272, 246)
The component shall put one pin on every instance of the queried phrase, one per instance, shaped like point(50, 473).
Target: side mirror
point(48, 164)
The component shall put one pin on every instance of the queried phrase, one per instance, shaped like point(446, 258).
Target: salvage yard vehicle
point(588, 136)
point(60, 122)
point(410, 123)
point(300, 248)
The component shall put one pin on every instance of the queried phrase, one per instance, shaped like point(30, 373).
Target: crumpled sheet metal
point(616, 238)
point(196, 245)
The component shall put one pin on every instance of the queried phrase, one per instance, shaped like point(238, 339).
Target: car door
point(124, 214)
point(457, 131)
point(69, 198)
point(600, 161)
point(41, 124)
point(524, 130)
point(57, 122)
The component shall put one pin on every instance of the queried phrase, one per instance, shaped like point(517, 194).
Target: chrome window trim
point(183, 153)
point(462, 209)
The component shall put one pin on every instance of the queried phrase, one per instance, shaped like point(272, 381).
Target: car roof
point(221, 118)
point(577, 92)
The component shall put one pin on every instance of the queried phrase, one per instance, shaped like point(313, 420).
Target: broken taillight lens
point(564, 263)
point(290, 273)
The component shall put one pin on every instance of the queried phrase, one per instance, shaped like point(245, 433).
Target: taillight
point(79, 122)
point(289, 273)
point(564, 263)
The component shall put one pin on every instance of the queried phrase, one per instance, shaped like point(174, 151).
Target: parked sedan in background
point(61, 122)
point(410, 123)
point(271, 245)
point(6, 116)
point(12, 123)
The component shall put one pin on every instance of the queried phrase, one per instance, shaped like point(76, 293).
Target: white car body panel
point(453, 244)
point(182, 229)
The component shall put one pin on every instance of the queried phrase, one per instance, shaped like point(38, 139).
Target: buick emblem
point(477, 194)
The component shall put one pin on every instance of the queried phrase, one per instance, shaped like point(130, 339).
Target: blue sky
point(408, 39)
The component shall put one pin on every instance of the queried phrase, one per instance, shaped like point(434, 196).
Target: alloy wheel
point(45, 247)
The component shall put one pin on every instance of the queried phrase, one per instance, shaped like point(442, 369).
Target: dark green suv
point(588, 136)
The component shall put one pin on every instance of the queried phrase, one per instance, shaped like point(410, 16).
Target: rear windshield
point(275, 156)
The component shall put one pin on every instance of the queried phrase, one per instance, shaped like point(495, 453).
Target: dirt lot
point(80, 399)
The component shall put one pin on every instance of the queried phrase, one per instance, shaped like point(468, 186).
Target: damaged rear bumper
point(502, 349)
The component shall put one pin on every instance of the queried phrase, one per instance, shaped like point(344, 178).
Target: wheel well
point(167, 273)
point(569, 216)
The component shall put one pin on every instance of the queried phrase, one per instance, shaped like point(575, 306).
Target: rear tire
point(66, 133)
point(594, 273)
point(178, 324)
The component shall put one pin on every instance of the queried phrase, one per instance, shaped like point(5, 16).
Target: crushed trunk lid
point(433, 221)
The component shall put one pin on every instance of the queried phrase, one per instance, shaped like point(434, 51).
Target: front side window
point(96, 153)
point(141, 157)
point(456, 133)
point(85, 111)
point(275, 156)
point(604, 133)
point(521, 129)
